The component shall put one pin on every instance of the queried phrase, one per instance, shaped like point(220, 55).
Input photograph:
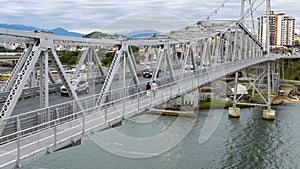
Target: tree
point(68, 57)
point(297, 43)
point(134, 49)
point(6, 64)
point(106, 61)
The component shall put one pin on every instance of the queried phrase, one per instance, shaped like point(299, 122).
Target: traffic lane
point(33, 103)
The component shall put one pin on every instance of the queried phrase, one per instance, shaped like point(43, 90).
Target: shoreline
point(289, 100)
point(222, 105)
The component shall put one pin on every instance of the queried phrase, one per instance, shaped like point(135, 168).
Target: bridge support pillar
point(234, 112)
point(269, 114)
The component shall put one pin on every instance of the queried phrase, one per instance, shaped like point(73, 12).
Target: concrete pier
point(269, 114)
point(234, 112)
point(184, 113)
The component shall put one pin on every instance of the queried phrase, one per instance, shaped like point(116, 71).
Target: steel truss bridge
point(212, 48)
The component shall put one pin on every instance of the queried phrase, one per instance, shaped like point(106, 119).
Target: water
point(5, 69)
point(247, 142)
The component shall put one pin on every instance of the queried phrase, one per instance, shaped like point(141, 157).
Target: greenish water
point(247, 142)
point(5, 69)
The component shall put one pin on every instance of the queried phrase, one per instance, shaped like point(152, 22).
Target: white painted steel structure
point(213, 48)
point(68, 124)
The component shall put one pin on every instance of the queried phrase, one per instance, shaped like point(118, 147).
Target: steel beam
point(132, 67)
point(161, 55)
point(18, 86)
point(98, 62)
point(111, 74)
point(62, 74)
point(169, 63)
point(17, 68)
point(80, 63)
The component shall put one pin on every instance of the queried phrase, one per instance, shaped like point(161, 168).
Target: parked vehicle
point(147, 73)
point(80, 86)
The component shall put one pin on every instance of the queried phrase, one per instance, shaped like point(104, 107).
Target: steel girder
point(62, 74)
point(168, 54)
point(97, 60)
point(19, 84)
point(147, 55)
point(43, 44)
point(17, 68)
point(161, 54)
point(80, 63)
point(169, 62)
point(44, 84)
point(132, 66)
point(115, 64)
point(186, 55)
point(88, 54)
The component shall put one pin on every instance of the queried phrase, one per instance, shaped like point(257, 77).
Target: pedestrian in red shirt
point(153, 88)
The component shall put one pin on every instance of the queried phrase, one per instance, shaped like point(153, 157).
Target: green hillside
point(100, 35)
point(292, 70)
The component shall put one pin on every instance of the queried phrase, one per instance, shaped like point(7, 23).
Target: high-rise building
point(282, 29)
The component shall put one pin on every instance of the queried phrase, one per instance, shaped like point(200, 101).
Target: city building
point(282, 29)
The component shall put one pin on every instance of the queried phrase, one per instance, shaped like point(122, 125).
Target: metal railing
point(40, 116)
point(29, 92)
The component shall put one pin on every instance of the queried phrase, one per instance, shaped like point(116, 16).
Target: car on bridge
point(80, 86)
point(147, 73)
point(189, 67)
point(100, 79)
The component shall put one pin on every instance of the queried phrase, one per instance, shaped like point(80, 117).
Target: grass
point(218, 105)
point(292, 71)
point(214, 104)
point(291, 83)
point(4, 78)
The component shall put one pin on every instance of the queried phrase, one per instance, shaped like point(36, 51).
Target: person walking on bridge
point(153, 88)
point(148, 88)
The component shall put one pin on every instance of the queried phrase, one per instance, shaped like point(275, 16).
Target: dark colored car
point(147, 73)
point(100, 79)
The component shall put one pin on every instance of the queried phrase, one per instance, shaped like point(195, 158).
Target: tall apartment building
point(282, 29)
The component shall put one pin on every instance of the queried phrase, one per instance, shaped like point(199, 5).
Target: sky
point(125, 16)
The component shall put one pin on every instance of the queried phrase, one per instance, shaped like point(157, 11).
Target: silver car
point(80, 86)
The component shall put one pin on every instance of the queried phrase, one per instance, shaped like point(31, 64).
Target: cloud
point(86, 16)
point(146, 21)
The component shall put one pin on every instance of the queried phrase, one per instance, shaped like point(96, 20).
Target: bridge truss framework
point(209, 47)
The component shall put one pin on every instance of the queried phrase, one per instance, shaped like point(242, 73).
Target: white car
point(189, 67)
point(79, 86)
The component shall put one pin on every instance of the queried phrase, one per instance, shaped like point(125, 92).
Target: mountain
point(142, 34)
point(61, 31)
point(99, 35)
point(56, 31)
point(18, 27)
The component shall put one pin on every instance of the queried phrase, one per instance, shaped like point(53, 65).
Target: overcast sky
point(121, 16)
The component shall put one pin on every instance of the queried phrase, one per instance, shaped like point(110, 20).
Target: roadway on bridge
point(30, 104)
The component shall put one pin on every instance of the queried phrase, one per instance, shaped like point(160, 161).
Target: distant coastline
point(224, 105)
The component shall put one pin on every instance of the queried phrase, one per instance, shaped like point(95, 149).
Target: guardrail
point(30, 92)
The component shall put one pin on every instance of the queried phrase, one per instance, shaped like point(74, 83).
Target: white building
point(282, 29)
